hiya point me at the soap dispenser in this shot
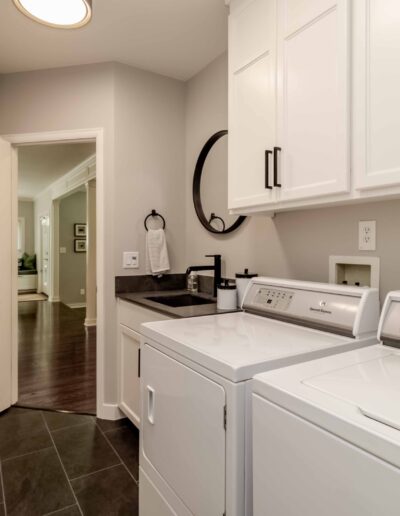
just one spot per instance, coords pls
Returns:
(242, 282)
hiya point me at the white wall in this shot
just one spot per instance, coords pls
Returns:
(293, 244)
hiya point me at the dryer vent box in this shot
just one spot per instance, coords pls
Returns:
(354, 270)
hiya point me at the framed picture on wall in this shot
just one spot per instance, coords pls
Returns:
(80, 246)
(80, 230)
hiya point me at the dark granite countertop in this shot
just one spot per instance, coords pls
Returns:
(139, 298)
(137, 289)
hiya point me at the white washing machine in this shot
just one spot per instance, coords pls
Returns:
(195, 446)
(326, 434)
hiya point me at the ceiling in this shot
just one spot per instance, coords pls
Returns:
(176, 38)
(41, 165)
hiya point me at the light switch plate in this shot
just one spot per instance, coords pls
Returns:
(367, 235)
(130, 260)
(63, 250)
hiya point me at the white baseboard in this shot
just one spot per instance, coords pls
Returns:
(109, 411)
(55, 299)
(90, 322)
(76, 305)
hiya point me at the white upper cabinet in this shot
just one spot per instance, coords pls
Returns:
(376, 94)
(288, 101)
(252, 102)
(313, 98)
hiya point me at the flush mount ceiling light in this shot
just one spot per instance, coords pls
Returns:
(62, 14)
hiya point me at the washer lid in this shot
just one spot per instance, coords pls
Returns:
(352, 395)
(373, 386)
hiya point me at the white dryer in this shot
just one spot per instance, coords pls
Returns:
(195, 446)
(326, 434)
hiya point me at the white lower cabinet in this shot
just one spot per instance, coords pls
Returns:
(129, 399)
(130, 317)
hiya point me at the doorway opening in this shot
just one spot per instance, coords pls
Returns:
(57, 308)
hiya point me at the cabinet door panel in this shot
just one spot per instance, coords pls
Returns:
(313, 102)
(129, 397)
(248, 31)
(252, 104)
(377, 93)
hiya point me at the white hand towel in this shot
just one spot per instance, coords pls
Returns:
(157, 261)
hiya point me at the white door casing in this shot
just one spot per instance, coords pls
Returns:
(313, 98)
(252, 102)
(6, 272)
(44, 260)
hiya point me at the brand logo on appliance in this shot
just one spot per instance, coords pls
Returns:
(321, 309)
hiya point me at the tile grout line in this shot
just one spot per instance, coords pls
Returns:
(28, 453)
(2, 488)
(54, 430)
(59, 510)
(97, 471)
(118, 455)
(62, 466)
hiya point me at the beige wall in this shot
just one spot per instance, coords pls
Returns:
(25, 210)
(293, 244)
(72, 264)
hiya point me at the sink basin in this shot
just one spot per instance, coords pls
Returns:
(178, 300)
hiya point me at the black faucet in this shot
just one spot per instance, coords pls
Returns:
(216, 268)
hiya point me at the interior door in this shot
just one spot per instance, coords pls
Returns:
(183, 434)
(252, 102)
(313, 106)
(6, 271)
(44, 253)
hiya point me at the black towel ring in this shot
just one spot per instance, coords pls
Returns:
(153, 214)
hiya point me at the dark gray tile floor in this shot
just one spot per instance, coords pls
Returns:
(67, 465)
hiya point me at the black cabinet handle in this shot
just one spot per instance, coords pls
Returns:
(267, 153)
(276, 150)
(139, 364)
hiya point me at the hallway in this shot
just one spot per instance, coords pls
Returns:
(57, 358)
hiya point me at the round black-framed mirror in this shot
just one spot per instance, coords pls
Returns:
(198, 171)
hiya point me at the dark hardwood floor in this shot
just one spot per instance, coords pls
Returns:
(57, 358)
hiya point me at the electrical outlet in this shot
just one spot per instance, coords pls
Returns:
(82, 291)
(63, 250)
(131, 260)
(367, 235)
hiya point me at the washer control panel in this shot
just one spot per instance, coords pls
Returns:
(274, 299)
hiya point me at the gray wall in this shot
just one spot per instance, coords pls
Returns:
(72, 265)
(143, 119)
(149, 160)
(25, 210)
(293, 244)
